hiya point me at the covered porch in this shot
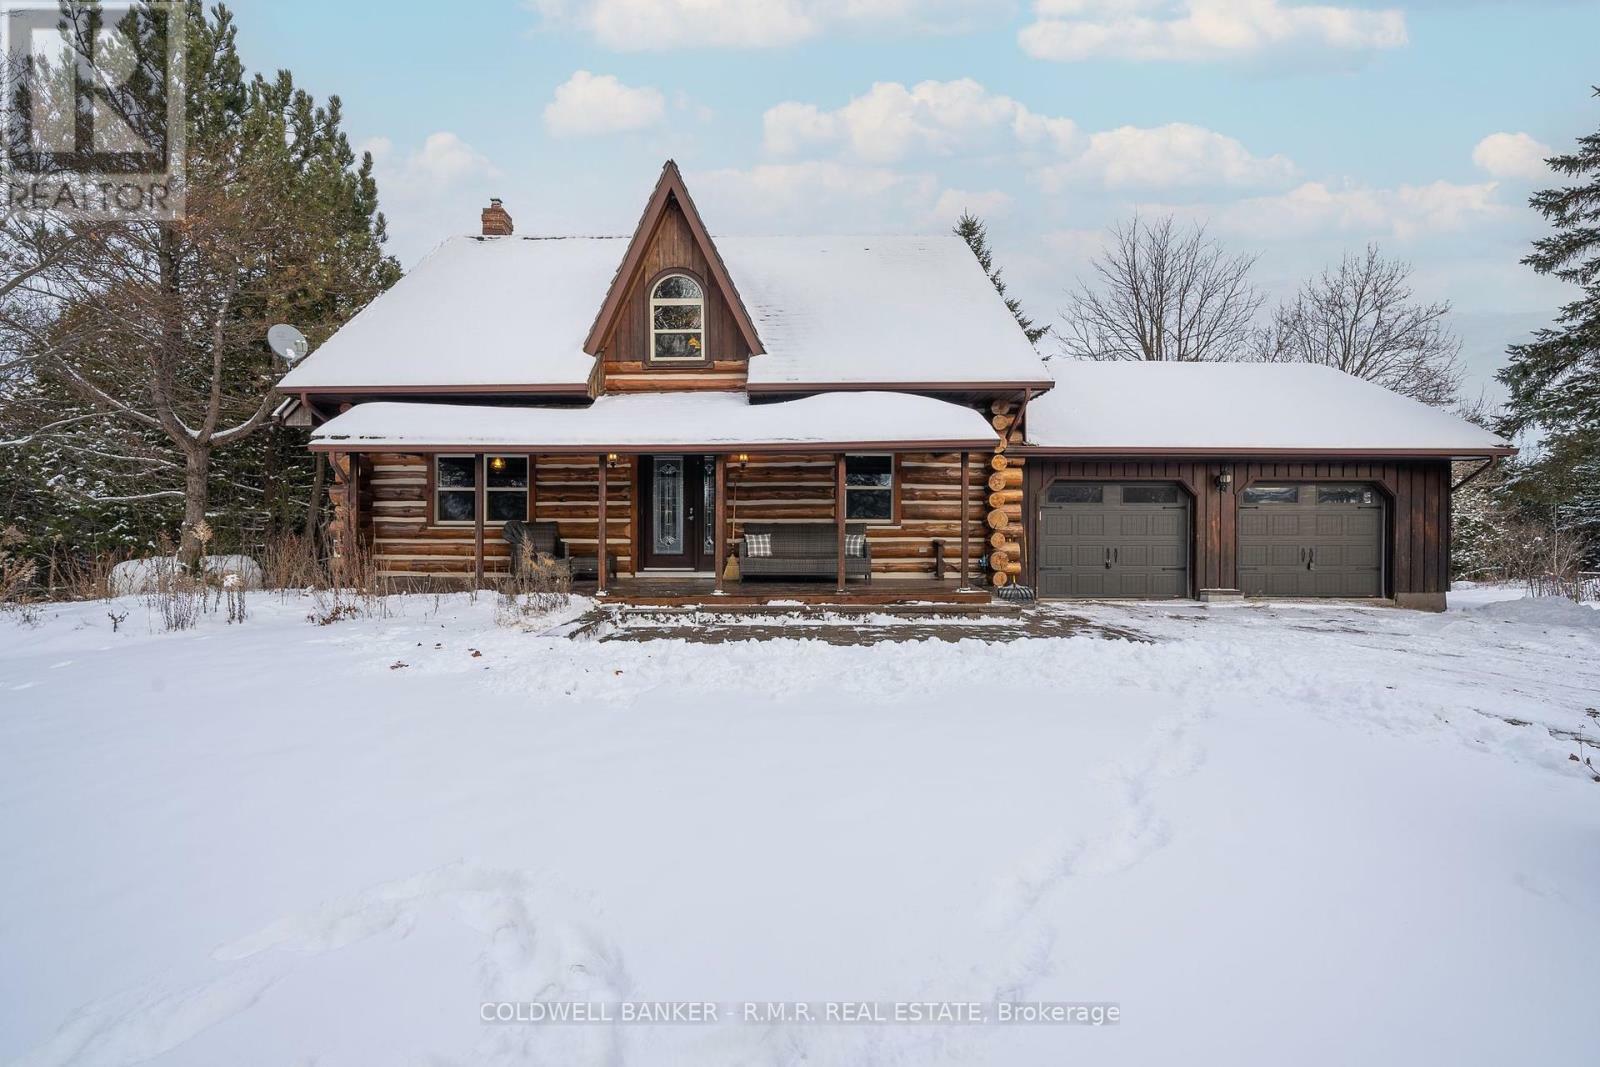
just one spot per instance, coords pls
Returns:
(877, 498)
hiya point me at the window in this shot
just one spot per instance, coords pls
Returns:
(506, 494)
(1075, 493)
(455, 489)
(1150, 494)
(869, 488)
(677, 319)
(1272, 494)
(1343, 494)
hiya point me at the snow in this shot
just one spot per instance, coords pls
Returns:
(876, 309)
(475, 312)
(671, 420)
(516, 311)
(1237, 407)
(1312, 835)
(135, 576)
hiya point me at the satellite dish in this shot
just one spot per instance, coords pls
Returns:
(288, 342)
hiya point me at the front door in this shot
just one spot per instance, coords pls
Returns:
(678, 500)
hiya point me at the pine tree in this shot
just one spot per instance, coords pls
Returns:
(1554, 380)
(148, 379)
(972, 230)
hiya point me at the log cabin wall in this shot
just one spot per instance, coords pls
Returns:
(564, 489)
(768, 488)
(800, 488)
(624, 367)
(1418, 493)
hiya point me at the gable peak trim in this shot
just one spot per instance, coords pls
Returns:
(670, 189)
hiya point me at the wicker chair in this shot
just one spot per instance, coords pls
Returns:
(803, 550)
(544, 538)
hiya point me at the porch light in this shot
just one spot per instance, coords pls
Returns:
(611, 459)
(1225, 479)
(743, 458)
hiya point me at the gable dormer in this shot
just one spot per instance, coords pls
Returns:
(672, 319)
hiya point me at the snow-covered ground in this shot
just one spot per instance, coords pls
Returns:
(1291, 834)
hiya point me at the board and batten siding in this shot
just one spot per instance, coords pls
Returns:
(624, 367)
(1418, 505)
(394, 516)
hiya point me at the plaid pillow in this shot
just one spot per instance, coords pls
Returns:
(758, 545)
(855, 545)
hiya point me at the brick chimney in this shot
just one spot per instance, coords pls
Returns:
(496, 220)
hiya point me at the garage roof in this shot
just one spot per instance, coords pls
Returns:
(1135, 408)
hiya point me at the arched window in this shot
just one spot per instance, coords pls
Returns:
(677, 319)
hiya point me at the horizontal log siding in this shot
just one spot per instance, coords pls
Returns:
(1418, 492)
(565, 490)
(622, 364)
(799, 488)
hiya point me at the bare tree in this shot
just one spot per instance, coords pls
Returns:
(1159, 292)
(1362, 319)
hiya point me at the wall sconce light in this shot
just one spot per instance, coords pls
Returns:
(743, 458)
(1225, 479)
(611, 459)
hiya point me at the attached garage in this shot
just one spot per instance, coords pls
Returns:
(1111, 539)
(1221, 480)
(1312, 540)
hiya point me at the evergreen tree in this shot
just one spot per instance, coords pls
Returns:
(972, 230)
(148, 379)
(1554, 380)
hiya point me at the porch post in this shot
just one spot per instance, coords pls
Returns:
(838, 511)
(600, 535)
(480, 498)
(720, 517)
(966, 507)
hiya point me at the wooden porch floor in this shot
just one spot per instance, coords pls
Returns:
(678, 592)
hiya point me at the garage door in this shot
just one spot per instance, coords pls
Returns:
(1114, 539)
(1311, 540)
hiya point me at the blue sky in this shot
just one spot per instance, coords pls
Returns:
(1296, 131)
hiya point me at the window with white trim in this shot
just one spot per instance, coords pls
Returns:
(455, 489)
(677, 320)
(869, 488)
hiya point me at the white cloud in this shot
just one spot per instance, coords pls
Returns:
(891, 122)
(952, 203)
(443, 161)
(1404, 212)
(1170, 156)
(657, 25)
(588, 105)
(1202, 29)
(1512, 155)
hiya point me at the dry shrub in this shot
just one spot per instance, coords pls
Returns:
(289, 562)
(539, 585)
(17, 575)
(357, 588)
(177, 598)
(89, 578)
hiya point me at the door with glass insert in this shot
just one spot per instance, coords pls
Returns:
(677, 501)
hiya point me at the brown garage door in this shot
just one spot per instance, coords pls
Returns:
(1311, 540)
(1114, 539)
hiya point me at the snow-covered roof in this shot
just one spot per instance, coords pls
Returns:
(661, 420)
(853, 310)
(1223, 408)
(474, 313)
(514, 312)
